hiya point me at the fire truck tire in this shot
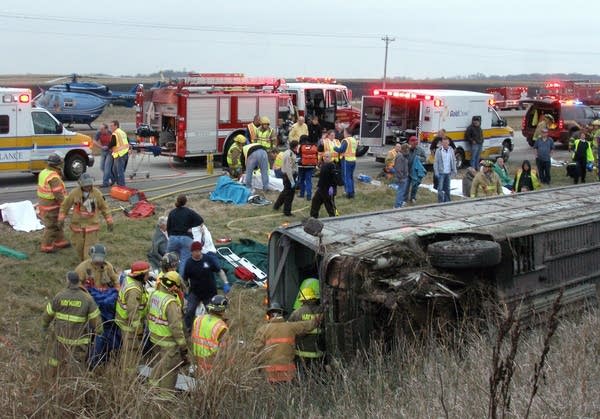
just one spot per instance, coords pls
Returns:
(463, 253)
(361, 150)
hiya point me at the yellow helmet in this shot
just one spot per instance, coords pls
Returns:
(265, 120)
(596, 122)
(308, 294)
(239, 139)
(171, 279)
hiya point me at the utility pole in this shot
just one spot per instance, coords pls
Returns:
(387, 40)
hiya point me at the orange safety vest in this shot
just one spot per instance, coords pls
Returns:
(45, 191)
(122, 146)
(350, 153)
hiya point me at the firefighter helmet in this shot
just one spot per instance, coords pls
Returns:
(55, 160)
(265, 120)
(85, 180)
(217, 304)
(307, 294)
(596, 122)
(98, 253)
(139, 268)
(239, 139)
(275, 308)
(169, 261)
(170, 280)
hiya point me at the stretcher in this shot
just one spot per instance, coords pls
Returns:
(235, 261)
(139, 157)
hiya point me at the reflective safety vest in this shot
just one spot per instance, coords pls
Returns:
(278, 160)
(158, 324)
(45, 191)
(252, 131)
(121, 314)
(72, 321)
(302, 351)
(534, 180)
(589, 154)
(390, 158)
(206, 331)
(234, 149)
(328, 147)
(122, 146)
(264, 138)
(350, 153)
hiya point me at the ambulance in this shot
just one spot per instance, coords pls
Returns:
(29, 134)
(391, 115)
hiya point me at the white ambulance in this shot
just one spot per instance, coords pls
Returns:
(29, 134)
(391, 115)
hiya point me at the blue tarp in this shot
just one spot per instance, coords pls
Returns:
(230, 191)
(110, 340)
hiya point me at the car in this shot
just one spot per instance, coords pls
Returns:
(569, 116)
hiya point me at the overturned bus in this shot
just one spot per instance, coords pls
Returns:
(387, 272)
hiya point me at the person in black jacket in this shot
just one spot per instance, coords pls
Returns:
(180, 222)
(314, 130)
(326, 185)
(474, 137)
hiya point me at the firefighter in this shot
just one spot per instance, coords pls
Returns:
(51, 192)
(165, 324)
(329, 145)
(546, 123)
(275, 342)
(252, 128)
(486, 182)
(87, 201)
(234, 156)
(347, 151)
(74, 313)
(256, 156)
(390, 158)
(96, 271)
(208, 332)
(131, 310)
(309, 348)
(265, 135)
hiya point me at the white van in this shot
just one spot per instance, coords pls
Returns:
(29, 134)
(395, 114)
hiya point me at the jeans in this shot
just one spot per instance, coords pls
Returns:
(181, 245)
(120, 163)
(348, 174)
(106, 165)
(305, 175)
(475, 155)
(190, 311)
(543, 168)
(443, 187)
(258, 159)
(411, 189)
(400, 192)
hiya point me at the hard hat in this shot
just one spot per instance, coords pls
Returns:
(275, 307)
(596, 122)
(239, 139)
(55, 160)
(169, 261)
(86, 180)
(487, 163)
(548, 116)
(265, 120)
(139, 268)
(171, 279)
(217, 304)
(98, 253)
(308, 294)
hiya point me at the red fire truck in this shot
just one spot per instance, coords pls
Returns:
(585, 91)
(508, 97)
(200, 114)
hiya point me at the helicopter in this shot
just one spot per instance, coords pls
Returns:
(77, 102)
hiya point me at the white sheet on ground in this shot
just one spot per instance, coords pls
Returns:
(21, 216)
(275, 184)
(455, 187)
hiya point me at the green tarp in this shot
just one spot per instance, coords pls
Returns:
(253, 251)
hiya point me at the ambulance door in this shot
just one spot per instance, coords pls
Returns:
(10, 155)
(201, 133)
(372, 121)
(330, 112)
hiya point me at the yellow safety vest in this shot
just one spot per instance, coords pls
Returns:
(121, 315)
(264, 138)
(158, 324)
(278, 160)
(230, 160)
(205, 335)
(328, 146)
(350, 153)
(44, 191)
(122, 146)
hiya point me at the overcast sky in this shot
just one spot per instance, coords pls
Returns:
(338, 38)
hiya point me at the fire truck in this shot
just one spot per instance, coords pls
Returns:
(200, 114)
(508, 97)
(585, 91)
(328, 100)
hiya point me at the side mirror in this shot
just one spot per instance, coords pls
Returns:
(501, 122)
(59, 128)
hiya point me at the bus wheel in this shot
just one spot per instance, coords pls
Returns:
(464, 252)
(460, 158)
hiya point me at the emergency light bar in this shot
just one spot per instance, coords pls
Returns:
(230, 80)
(408, 95)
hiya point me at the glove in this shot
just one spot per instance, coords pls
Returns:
(226, 287)
(110, 227)
(330, 191)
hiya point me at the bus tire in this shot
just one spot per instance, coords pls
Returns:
(463, 253)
